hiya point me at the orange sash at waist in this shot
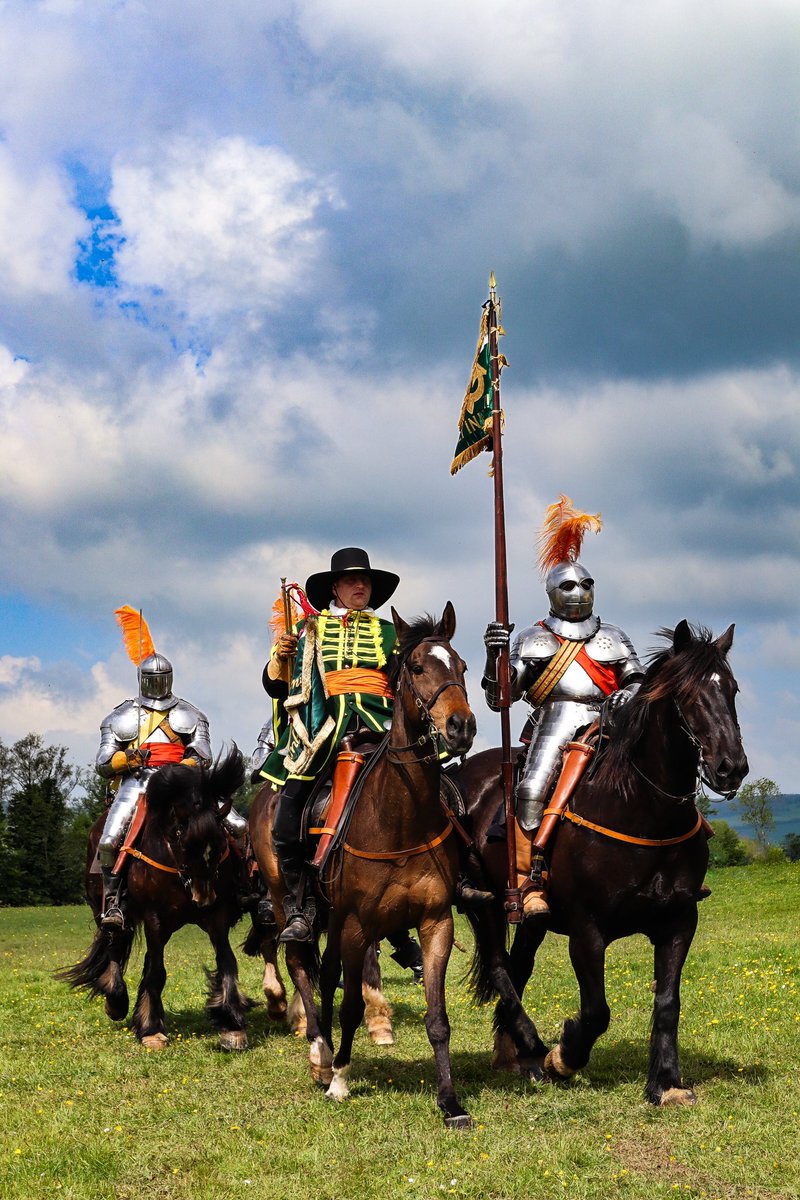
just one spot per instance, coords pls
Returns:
(358, 679)
(164, 752)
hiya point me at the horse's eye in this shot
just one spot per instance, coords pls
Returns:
(417, 668)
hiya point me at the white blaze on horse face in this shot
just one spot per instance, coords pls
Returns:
(717, 679)
(443, 655)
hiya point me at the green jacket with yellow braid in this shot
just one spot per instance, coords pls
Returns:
(339, 673)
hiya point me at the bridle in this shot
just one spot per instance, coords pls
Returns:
(431, 734)
(701, 779)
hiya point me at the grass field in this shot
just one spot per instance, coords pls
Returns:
(88, 1114)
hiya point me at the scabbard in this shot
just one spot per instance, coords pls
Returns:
(348, 764)
(576, 760)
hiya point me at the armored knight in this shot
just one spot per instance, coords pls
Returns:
(567, 667)
(135, 739)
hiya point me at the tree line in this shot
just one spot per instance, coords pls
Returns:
(48, 805)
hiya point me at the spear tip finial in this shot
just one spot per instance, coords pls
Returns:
(492, 281)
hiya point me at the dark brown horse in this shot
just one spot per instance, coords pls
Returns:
(630, 858)
(184, 872)
(399, 864)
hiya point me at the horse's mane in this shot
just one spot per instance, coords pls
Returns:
(669, 673)
(415, 632)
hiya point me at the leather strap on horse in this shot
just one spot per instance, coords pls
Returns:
(575, 761)
(394, 855)
(151, 862)
(635, 841)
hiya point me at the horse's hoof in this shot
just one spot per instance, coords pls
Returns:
(555, 1066)
(533, 1070)
(116, 1011)
(505, 1056)
(382, 1037)
(233, 1039)
(338, 1089)
(320, 1060)
(677, 1096)
(276, 1010)
(462, 1122)
(155, 1041)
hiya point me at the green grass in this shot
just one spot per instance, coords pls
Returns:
(88, 1114)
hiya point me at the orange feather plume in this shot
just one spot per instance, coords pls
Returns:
(277, 622)
(135, 633)
(563, 532)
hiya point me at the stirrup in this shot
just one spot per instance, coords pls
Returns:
(299, 927)
(469, 894)
(113, 917)
(534, 902)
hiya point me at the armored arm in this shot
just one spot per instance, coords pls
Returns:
(116, 755)
(526, 660)
(192, 726)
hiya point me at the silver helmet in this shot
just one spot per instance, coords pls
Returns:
(155, 677)
(570, 589)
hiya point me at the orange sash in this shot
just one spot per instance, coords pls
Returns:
(358, 679)
(164, 752)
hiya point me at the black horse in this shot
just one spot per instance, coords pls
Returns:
(182, 871)
(629, 857)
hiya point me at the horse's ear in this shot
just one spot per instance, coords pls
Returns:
(447, 626)
(725, 642)
(400, 625)
(682, 637)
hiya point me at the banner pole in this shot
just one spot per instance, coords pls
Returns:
(513, 901)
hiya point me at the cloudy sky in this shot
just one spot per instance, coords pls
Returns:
(244, 249)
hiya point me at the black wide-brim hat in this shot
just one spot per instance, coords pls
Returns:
(319, 587)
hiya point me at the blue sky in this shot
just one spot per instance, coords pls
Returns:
(245, 250)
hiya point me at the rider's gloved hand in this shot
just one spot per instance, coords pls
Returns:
(285, 646)
(496, 637)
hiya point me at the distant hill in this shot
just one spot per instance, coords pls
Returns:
(786, 811)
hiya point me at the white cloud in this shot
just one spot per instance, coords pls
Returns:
(218, 224)
(717, 188)
(39, 229)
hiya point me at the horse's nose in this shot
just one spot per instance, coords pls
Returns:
(732, 770)
(461, 730)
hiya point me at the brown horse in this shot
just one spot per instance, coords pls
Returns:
(399, 864)
(183, 872)
(398, 867)
(630, 857)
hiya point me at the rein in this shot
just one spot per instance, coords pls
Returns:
(568, 815)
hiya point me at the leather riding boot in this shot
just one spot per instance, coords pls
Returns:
(112, 916)
(529, 882)
(407, 953)
(299, 925)
(472, 888)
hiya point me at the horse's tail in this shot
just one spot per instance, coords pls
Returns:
(101, 971)
(489, 939)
